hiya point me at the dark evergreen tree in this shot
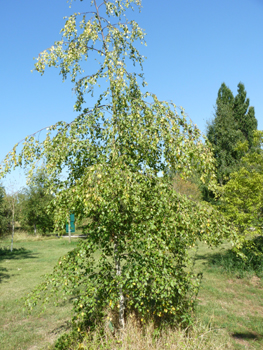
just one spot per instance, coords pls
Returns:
(225, 96)
(244, 115)
(234, 122)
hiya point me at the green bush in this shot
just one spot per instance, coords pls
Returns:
(67, 341)
(135, 257)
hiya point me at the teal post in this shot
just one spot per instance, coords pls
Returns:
(72, 224)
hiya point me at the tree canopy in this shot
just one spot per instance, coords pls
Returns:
(244, 114)
(242, 197)
(2, 210)
(34, 202)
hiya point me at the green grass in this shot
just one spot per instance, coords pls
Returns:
(251, 263)
(229, 303)
(232, 307)
(20, 271)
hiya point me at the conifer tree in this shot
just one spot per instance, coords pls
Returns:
(244, 115)
(234, 122)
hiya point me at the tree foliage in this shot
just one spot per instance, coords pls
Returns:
(36, 205)
(139, 232)
(244, 114)
(3, 219)
(242, 197)
(234, 122)
(242, 203)
(143, 230)
(11, 202)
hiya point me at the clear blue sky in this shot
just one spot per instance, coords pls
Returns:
(192, 47)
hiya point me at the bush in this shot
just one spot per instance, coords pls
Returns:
(135, 258)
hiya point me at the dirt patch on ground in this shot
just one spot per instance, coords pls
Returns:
(201, 301)
(243, 342)
(256, 281)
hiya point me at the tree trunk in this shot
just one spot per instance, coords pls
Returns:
(118, 273)
(13, 226)
(69, 231)
(35, 229)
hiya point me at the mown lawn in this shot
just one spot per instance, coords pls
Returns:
(20, 271)
(231, 304)
(233, 307)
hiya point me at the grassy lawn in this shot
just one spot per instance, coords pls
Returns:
(234, 307)
(230, 304)
(19, 273)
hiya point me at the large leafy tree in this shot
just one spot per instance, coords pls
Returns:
(234, 122)
(2, 210)
(11, 202)
(242, 196)
(6, 206)
(113, 155)
(35, 203)
(242, 203)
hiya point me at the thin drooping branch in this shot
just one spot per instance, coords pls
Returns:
(101, 30)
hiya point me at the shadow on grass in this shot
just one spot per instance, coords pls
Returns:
(62, 328)
(205, 257)
(3, 274)
(246, 336)
(249, 260)
(17, 253)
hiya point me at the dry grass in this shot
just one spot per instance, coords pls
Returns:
(136, 338)
(23, 236)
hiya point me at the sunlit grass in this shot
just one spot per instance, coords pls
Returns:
(20, 271)
(229, 303)
(229, 310)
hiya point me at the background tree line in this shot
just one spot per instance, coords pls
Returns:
(29, 209)
(237, 148)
